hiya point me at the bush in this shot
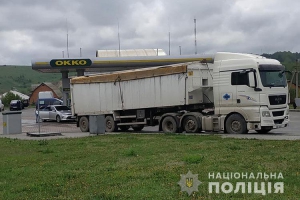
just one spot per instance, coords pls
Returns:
(8, 97)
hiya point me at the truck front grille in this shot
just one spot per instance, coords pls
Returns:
(277, 99)
(278, 121)
(278, 113)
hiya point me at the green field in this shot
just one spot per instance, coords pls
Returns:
(130, 166)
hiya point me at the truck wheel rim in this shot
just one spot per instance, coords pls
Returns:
(236, 126)
(108, 124)
(169, 126)
(83, 124)
(190, 125)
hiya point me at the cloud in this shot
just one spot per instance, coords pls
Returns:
(35, 29)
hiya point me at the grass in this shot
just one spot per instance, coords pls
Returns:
(130, 166)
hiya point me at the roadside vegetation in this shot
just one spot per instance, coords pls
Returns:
(8, 97)
(130, 166)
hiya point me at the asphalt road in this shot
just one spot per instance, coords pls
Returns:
(69, 129)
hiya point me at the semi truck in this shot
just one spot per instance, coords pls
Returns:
(227, 92)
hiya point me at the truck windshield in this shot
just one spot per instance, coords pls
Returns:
(272, 75)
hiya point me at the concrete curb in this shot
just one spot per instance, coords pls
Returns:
(294, 110)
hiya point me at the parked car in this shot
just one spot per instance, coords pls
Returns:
(16, 105)
(55, 113)
(43, 102)
(25, 102)
(1, 106)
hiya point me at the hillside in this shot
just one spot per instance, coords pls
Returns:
(287, 58)
(21, 78)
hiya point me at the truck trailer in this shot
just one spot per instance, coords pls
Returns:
(229, 92)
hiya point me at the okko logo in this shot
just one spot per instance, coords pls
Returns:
(257, 183)
(252, 183)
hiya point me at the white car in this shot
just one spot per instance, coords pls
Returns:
(55, 113)
(1, 106)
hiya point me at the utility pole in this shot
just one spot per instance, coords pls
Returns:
(295, 75)
(63, 54)
(67, 38)
(179, 50)
(80, 54)
(195, 23)
(119, 39)
(169, 43)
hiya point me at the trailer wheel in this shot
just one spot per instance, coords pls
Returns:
(169, 125)
(236, 124)
(124, 128)
(110, 124)
(191, 124)
(137, 127)
(84, 124)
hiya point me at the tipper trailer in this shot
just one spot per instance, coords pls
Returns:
(229, 92)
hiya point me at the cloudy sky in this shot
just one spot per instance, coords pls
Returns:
(35, 29)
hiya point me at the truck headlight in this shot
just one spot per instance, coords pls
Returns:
(266, 114)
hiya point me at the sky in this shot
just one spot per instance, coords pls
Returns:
(38, 29)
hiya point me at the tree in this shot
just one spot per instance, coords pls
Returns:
(10, 96)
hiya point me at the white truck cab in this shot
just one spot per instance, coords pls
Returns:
(253, 87)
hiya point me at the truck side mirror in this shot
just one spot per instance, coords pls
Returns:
(252, 79)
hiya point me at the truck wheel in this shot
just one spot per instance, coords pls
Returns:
(190, 124)
(124, 128)
(236, 124)
(137, 127)
(58, 120)
(110, 124)
(169, 125)
(84, 124)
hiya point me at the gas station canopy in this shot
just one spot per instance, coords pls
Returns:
(108, 64)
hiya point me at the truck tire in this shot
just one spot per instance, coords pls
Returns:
(124, 128)
(110, 124)
(191, 125)
(84, 124)
(169, 125)
(236, 124)
(137, 127)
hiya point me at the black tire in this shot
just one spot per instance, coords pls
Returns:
(58, 119)
(169, 125)
(124, 128)
(264, 130)
(236, 124)
(137, 127)
(191, 124)
(110, 124)
(84, 124)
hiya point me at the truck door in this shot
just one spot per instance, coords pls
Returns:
(245, 95)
